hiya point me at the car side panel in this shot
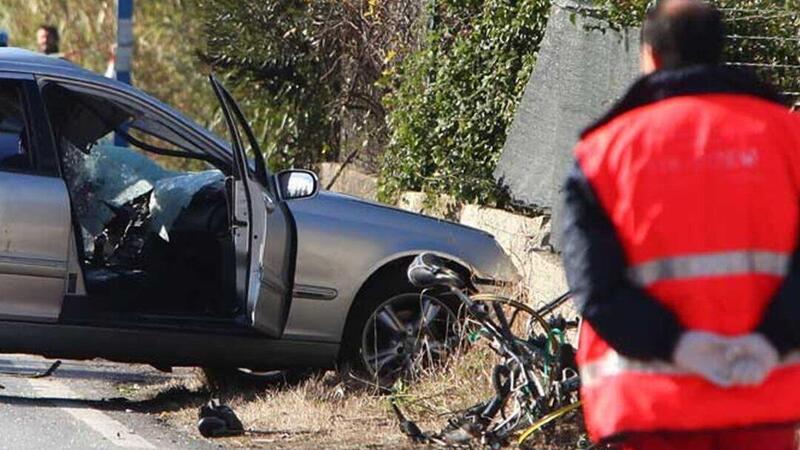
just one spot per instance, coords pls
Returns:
(342, 241)
(34, 239)
(148, 346)
(277, 269)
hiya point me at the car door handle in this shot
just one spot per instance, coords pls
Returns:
(269, 202)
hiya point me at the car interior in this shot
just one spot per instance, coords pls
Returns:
(151, 210)
(14, 154)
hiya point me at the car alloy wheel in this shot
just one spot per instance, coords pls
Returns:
(406, 334)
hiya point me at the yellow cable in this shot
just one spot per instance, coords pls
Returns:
(545, 420)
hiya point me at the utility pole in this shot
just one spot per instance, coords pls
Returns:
(124, 54)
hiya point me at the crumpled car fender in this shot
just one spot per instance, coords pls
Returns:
(342, 241)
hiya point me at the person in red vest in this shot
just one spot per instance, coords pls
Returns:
(680, 242)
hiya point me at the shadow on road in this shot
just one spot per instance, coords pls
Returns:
(171, 399)
(168, 398)
(81, 374)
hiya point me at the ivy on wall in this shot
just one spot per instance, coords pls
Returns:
(455, 98)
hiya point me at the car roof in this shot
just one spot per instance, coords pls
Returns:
(20, 60)
(25, 61)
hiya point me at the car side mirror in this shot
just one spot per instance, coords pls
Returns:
(296, 184)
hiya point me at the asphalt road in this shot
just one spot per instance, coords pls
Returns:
(79, 407)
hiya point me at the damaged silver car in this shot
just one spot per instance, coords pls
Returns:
(133, 234)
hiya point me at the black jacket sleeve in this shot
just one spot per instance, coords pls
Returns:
(781, 322)
(623, 314)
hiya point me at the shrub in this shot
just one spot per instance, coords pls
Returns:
(166, 34)
(301, 65)
(456, 97)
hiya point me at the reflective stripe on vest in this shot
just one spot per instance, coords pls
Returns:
(613, 364)
(711, 265)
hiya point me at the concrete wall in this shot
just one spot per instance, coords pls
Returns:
(526, 240)
(350, 181)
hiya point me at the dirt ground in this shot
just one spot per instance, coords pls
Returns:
(327, 412)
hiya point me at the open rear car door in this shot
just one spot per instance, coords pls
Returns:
(267, 307)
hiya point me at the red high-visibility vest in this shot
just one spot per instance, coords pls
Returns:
(703, 192)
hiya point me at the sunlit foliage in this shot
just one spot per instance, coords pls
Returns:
(165, 64)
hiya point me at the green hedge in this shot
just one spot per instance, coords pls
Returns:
(455, 98)
(268, 54)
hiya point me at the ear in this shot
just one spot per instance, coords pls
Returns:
(650, 60)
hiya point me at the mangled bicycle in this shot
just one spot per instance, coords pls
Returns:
(534, 380)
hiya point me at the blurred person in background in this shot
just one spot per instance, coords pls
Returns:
(111, 62)
(48, 40)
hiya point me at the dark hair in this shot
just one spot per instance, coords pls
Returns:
(52, 38)
(685, 32)
(52, 31)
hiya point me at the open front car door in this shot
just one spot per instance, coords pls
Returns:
(253, 204)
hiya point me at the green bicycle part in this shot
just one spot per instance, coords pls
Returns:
(474, 337)
(562, 339)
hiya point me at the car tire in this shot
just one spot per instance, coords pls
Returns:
(352, 361)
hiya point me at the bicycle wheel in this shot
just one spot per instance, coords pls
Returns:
(526, 353)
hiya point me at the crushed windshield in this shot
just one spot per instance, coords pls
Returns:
(116, 175)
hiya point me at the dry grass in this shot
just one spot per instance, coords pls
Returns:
(321, 412)
(328, 411)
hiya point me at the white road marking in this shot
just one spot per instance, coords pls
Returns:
(115, 432)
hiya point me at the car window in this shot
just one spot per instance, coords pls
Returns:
(85, 118)
(15, 143)
(249, 150)
(242, 133)
(115, 155)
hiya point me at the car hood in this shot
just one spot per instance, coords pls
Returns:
(397, 213)
(403, 233)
